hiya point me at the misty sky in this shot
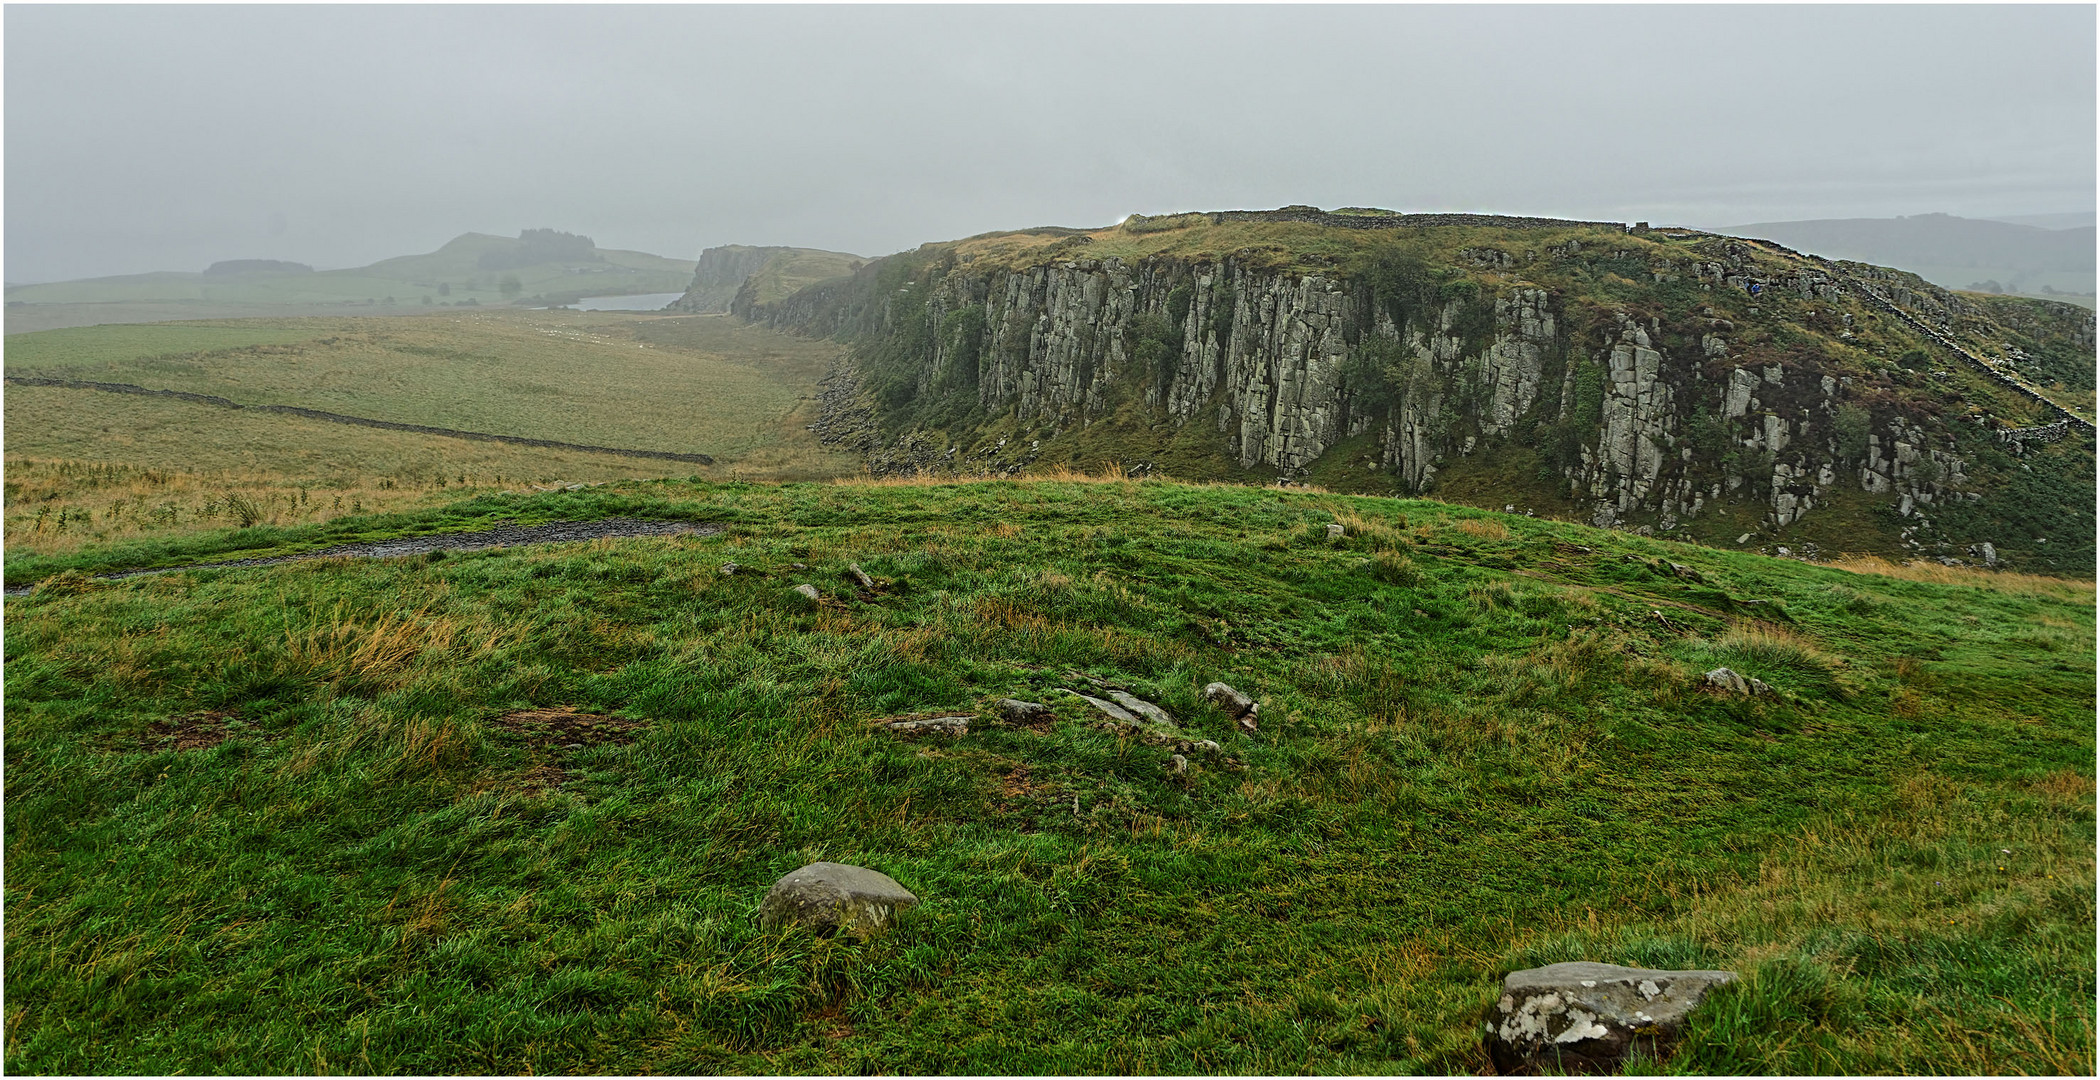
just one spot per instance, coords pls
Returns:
(161, 137)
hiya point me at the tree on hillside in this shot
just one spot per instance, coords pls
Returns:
(511, 286)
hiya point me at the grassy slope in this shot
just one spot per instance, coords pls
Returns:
(1480, 749)
(791, 271)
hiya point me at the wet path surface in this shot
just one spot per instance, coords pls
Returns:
(560, 532)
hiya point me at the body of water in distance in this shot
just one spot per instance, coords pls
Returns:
(641, 302)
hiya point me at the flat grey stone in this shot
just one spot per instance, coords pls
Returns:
(833, 896)
(1141, 707)
(1016, 711)
(1584, 1017)
(942, 725)
(808, 590)
(1108, 708)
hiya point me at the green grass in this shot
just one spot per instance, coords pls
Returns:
(576, 377)
(1480, 749)
(88, 468)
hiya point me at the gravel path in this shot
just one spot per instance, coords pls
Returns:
(560, 532)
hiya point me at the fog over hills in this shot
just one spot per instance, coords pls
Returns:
(336, 136)
(1954, 252)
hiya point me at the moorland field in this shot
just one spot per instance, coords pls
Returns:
(90, 467)
(310, 817)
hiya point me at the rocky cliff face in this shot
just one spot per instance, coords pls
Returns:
(1652, 409)
(718, 275)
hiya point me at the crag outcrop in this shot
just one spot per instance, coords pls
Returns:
(1651, 379)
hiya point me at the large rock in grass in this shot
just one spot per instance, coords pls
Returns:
(832, 897)
(1725, 681)
(1583, 1017)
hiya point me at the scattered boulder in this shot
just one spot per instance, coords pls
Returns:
(809, 591)
(729, 568)
(1336, 532)
(833, 896)
(1727, 681)
(1178, 765)
(1585, 1017)
(1239, 706)
(931, 725)
(1025, 713)
(860, 575)
(1686, 572)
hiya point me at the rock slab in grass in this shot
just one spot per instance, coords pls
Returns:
(1236, 705)
(1140, 707)
(1016, 711)
(1584, 1017)
(934, 725)
(833, 896)
(1726, 680)
(1108, 708)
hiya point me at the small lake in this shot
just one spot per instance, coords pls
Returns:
(655, 301)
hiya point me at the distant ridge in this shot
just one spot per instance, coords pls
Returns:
(1952, 252)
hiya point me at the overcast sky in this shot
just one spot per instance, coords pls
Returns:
(161, 137)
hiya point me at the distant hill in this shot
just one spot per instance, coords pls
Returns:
(255, 266)
(772, 273)
(1952, 252)
(2051, 221)
(539, 266)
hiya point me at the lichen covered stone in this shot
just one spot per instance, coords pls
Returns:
(1583, 1017)
(831, 897)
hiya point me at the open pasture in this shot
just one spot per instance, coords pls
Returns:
(581, 377)
(87, 467)
(289, 819)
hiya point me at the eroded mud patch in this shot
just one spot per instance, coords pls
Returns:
(559, 532)
(193, 731)
(552, 737)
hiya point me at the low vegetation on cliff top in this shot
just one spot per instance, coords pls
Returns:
(317, 816)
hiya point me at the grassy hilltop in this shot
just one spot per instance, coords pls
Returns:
(298, 819)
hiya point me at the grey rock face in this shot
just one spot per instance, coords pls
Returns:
(809, 591)
(1267, 359)
(1584, 1017)
(834, 896)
